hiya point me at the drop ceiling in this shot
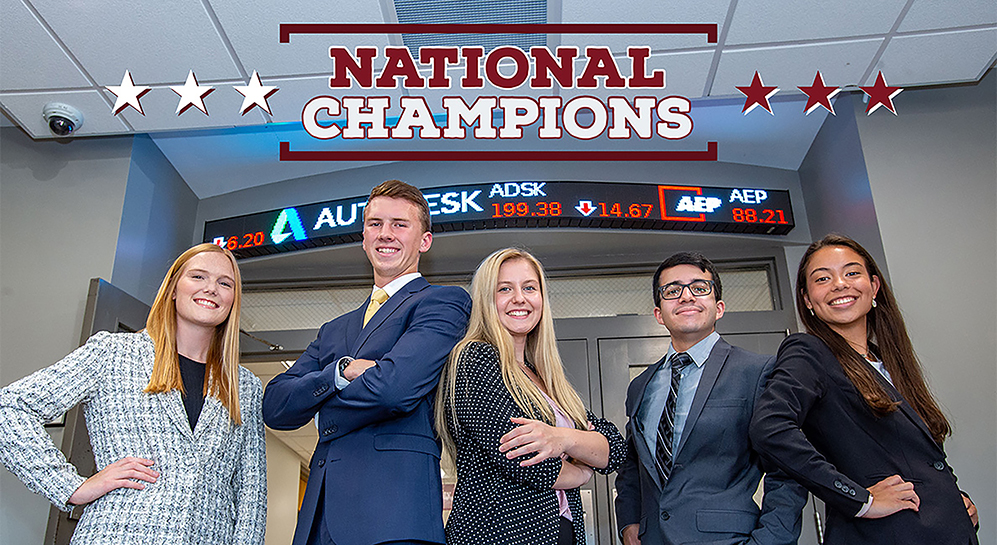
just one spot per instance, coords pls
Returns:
(54, 50)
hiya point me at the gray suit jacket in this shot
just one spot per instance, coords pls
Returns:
(212, 484)
(708, 498)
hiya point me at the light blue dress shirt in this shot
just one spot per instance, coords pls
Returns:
(656, 392)
(879, 366)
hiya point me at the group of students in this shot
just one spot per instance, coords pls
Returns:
(177, 430)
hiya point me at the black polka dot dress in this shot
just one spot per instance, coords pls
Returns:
(496, 501)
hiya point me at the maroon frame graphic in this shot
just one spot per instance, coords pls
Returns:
(289, 29)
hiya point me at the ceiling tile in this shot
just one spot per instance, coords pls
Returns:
(685, 75)
(931, 58)
(288, 103)
(682, 11)
(933, 14)
(146, 38)
(24, 41)
(26, 109)
(618, 43)
(767, 21)
(788, 67)
(160, 106)
(675, 11)
(253, 27)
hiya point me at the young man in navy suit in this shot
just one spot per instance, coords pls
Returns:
(690, 472)
(370, 378)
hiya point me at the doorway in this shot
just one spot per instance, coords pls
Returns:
(108, 309)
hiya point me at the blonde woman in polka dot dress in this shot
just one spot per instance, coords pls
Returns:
(516, 430)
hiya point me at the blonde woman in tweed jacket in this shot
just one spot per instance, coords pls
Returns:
(169, 474)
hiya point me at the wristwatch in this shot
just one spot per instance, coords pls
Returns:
(343, 363)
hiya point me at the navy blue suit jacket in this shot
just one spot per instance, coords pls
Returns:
(377, 460)
(715, 472)
(812, 422)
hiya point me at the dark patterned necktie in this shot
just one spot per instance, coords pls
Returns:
(663, 450)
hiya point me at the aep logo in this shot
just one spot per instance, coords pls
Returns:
(698, 204)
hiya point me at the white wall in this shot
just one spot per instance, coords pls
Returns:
(835, 184)
(283, 476)
(933, 173)
(112, 208)
(157, 222)
(60, 209)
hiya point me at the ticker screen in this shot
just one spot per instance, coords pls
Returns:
(520, 205)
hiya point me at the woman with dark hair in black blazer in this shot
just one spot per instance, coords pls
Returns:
(847, 412)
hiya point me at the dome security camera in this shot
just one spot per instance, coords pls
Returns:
(62, 119)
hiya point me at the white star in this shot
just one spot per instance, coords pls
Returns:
(127, 94)
(192, 94)
(256, 94)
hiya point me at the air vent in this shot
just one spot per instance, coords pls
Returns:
(461, 11)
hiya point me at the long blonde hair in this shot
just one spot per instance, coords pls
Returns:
(541, 351)
(222, 367)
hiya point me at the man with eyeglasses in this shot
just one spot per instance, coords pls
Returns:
(690, 472)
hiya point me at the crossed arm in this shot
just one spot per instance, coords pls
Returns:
(400, 378)
(521, 447)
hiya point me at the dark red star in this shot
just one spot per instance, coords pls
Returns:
(880, 94)
(819, 94)
(758, 95)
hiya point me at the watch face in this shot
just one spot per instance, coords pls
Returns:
(344, 362)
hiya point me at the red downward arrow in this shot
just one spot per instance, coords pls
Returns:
(585, 207)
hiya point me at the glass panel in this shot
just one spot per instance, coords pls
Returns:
(744, 290)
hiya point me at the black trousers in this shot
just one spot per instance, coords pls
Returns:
(565, 532)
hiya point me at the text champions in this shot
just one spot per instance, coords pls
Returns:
(620, 117)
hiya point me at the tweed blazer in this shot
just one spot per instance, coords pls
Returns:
(497, 501)
(212, 483)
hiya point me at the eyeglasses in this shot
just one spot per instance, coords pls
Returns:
(699, 288)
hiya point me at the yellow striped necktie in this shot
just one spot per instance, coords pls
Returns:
(376, 300)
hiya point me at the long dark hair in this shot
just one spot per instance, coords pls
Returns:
(887, 337)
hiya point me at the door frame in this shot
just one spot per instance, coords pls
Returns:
(108, 309)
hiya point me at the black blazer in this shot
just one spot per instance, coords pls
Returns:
(497, 502)
(812, 422)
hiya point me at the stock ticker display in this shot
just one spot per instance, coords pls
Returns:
(520, 205)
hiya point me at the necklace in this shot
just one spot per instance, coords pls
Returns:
(862, 350)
